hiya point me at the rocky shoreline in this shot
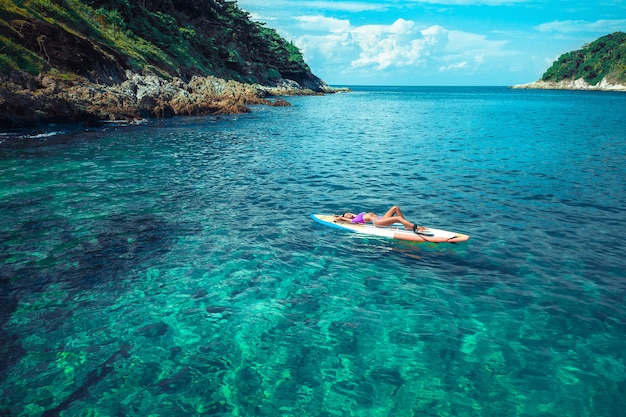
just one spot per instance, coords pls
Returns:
(579, 84)
(27, 100)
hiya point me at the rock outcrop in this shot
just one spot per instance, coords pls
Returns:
(579, 84)
(27, 100)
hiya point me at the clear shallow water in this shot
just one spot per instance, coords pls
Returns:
(173, 269)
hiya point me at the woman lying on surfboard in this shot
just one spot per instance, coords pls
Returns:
(393, 215)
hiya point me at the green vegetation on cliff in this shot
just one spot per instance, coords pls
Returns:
(100, 39)
(603, 58)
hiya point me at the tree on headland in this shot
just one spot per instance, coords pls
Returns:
(164, 37)
(603, 58)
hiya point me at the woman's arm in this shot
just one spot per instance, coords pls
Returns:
(343, 219)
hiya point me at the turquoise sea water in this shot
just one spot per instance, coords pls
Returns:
(172, 268)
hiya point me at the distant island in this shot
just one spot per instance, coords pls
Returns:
(92, 60)
(600, 65)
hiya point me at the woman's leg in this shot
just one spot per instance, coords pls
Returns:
(388, 221)
(394, 211)
(394, 215)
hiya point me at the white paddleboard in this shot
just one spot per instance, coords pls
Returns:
(396, 231)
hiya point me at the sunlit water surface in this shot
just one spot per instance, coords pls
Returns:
(173, 269)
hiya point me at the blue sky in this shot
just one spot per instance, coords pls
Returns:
(436, 42)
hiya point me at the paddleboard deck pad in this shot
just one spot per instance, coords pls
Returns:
(396, 231)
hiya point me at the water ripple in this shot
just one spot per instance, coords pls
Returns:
(172, 268)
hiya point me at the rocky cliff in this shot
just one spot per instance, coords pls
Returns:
(71, 61)
(27, 100)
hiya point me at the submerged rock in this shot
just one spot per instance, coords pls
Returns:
(153, 330)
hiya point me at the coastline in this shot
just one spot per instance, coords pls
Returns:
(29, 101)
(579, 84)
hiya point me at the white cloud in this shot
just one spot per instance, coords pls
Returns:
(450, 67)
(333, 48)
(385, 45)
(298, 6)
(474, 45)
(400, 44)
(473, 2)
(323, 24)
(365, 5)
(347, 6)
(337, 46)
(577, 26)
